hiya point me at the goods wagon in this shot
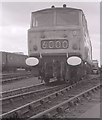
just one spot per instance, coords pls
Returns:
(0, 62)
(12, 61)
(59, 44)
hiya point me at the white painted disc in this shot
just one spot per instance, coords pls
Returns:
(74, 60)
(32, 61)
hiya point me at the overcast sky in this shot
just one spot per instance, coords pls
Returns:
(16, 22)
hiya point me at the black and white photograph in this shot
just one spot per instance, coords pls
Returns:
(50, 60)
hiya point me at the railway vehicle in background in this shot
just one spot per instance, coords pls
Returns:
(95, 67)
(0, 62)
(59, 44)
(12, 62)
(101, 73)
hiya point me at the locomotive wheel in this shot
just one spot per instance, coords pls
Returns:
(46, 80)
(67, 76)
(67, 81)
(59, 78)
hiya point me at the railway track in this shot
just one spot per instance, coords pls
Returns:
(21, 90)
(18, 100)
(60, 108)
(44, 105)
(25, 89)
(14, 78)
(10, 75)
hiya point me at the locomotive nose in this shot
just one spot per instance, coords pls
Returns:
(74, 60)
(32, 61)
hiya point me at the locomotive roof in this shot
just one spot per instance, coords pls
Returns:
(57, 8)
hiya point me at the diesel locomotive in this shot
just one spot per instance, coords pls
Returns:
(59, 44)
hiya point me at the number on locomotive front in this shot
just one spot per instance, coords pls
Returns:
(54, 44)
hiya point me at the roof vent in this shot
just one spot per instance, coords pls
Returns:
(52, 6)
(64, 5)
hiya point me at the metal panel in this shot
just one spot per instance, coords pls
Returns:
(15, 60)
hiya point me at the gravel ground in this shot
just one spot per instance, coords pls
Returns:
(92, 113)
(82, 108)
